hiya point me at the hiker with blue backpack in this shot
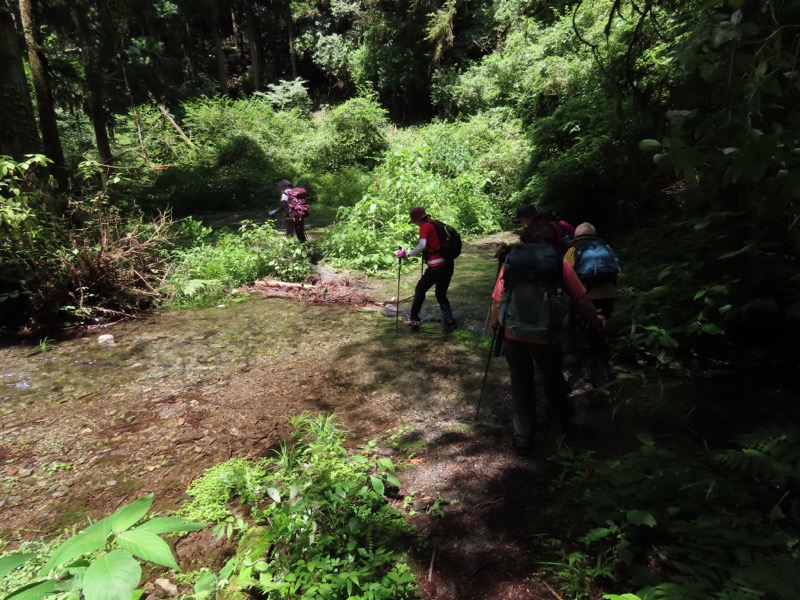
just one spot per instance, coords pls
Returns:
(597, 266)
(295, 204)
(529, 303)
(439, 245)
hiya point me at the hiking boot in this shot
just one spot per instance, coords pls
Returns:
(450, 324)
(409, 321)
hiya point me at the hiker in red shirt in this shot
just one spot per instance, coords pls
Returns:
(439, 271)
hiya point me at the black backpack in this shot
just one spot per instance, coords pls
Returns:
(534, 304)
(449, 240)
(595, 263)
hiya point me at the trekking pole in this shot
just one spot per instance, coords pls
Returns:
(397, 298)
(489, 312)
(486, 372)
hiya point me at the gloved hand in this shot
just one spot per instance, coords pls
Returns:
(401, 253)
(272, 213)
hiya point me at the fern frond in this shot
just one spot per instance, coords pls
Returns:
(779, 576)
(193, 287)
(755, 463)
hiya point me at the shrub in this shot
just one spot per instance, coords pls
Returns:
(204, 274)
(83, 260)
(463, 173)
(688, 522)
(286, 95)
(354, 133)
(330, 532)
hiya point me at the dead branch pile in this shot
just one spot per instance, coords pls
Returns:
(343, 290)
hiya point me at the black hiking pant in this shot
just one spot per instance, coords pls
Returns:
(592, 345)
(439, 277)
(521, 358)
(296, 226)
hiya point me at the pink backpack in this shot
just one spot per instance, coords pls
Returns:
(298, 205)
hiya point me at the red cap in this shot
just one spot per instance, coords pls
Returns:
(417, 213)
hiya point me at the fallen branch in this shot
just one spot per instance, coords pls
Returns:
(490, 502)
(552, 591)
(430, 567)
(169, 118)
(280, 284)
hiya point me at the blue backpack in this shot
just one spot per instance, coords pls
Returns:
(595, 263)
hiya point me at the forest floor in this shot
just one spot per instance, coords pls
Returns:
(478, 504)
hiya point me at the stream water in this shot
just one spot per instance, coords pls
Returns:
(148, 404)
(166, 353)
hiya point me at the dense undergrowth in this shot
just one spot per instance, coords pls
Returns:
(310, 522)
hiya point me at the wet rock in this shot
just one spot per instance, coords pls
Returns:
(106, 339)
(165, 585)
(190, 436)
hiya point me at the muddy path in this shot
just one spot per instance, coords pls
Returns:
(88, 426)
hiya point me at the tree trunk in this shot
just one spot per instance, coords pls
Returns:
(256, 50)
(44, 97)
(292, 57)
(222, 72)
(18, 134)
(94, 84)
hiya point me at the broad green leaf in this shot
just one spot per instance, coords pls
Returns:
(598, 533)
(9, 563)
(137, 594)
(645, 438)
(148, 546)
(169, 525)
(112, 577)
(377, 484)
(622, 597)
(650, 145)
(91, 539)
(34, 591)
(641, 517)
(206, 583)
(225, 572)
(129, 514)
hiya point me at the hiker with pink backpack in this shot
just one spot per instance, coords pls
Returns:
(295, 204)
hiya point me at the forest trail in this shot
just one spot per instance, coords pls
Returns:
(85, 427)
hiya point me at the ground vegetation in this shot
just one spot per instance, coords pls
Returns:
(673, 126)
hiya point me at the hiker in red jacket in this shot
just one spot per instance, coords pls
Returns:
(439, 271)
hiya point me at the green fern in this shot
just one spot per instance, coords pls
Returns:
(778, 576)
(772, 455)
(192, 287)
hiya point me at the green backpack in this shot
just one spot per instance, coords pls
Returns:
(534, 304)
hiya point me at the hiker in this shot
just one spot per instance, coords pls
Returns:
(439, 271)
(528, 303)
(527, 214)
(295, 205)
(598, 267)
